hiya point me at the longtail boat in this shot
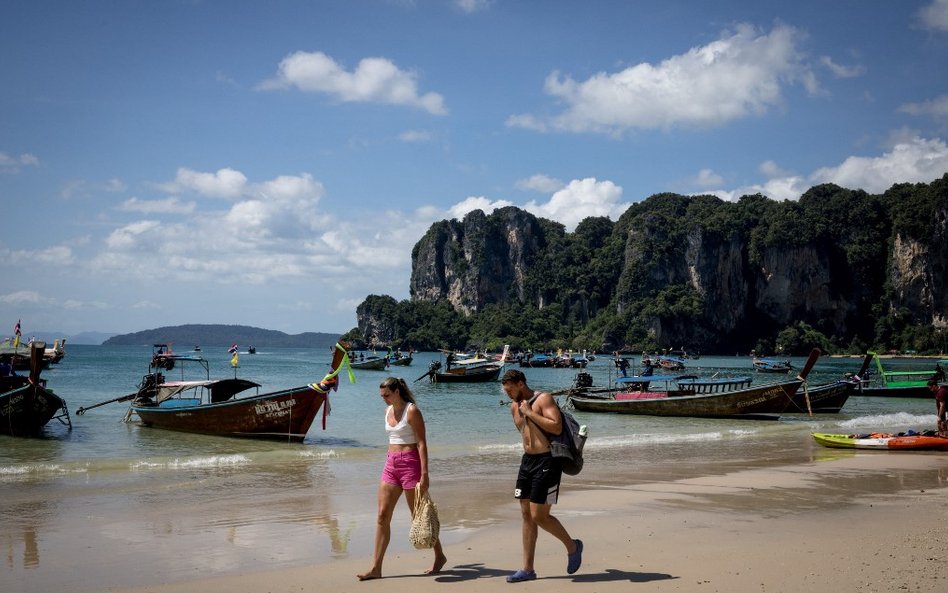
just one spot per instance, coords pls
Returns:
(770, 365)
(900, 383)
(370, 363)
(764, 402)
(828, 398)
(469, 370)
(218, 406)
(26, 405)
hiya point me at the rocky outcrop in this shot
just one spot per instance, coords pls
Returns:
(477, 261)
(704, 272)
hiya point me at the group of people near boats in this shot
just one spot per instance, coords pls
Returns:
(535, 415)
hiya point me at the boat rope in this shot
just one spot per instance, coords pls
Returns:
(806, 396)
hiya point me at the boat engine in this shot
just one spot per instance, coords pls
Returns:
(582, 380)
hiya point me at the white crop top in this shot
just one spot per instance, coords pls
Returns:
(402, 433)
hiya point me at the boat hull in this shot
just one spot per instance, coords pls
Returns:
(375, 364)
(765, 402)
(25, 410)
(476, 375)
(824, 399)
(401, 362)
(282, 415)
(883, 442)
(914, 391)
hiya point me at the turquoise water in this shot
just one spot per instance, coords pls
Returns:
(129, 490)
(462, 419)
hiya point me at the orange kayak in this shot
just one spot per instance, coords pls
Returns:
(880, 440)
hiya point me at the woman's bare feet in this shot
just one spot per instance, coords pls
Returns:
(439, 563)
(368, 576)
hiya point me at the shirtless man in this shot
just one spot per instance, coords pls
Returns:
(941, 406)
(538, 482)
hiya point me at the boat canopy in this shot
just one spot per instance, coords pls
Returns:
(220, 389)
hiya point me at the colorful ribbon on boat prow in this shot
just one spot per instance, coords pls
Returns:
(330, 381)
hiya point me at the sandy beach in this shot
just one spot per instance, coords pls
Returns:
(845, 521)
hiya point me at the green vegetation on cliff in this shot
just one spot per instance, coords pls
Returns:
(839, 268)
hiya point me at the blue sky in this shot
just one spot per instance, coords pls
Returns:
(273, 163)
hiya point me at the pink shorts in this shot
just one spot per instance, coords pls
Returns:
(402, 468)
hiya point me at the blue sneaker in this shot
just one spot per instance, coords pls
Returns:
(521, 576)
(575, 560)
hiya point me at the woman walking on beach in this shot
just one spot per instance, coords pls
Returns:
(406, 465)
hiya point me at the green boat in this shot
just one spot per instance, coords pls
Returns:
(901, 383)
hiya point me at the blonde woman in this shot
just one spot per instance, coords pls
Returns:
(406, 464)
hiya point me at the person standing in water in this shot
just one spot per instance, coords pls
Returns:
(406, 465)
(537, 416)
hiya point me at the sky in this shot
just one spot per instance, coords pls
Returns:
(165, 162)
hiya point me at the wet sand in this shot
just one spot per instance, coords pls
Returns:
(846, 521)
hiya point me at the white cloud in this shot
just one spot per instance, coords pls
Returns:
(580, 199)
(910, 160)
(935, 15)
(84, 188)
(225, 183)
(937, 108)
(472, 203)
(541, 183)
(568, 205)
(771, 169)
(375, 80)
(707, 178)
(115, 186)
(415, 136)
(77, 305)
(170, 205)
(50, 257)
(916, 161)
(146, 305)
(291, 188)
(126, 236)
(273, 230)
(840, 71)
(739, 75)
(24, 297)
(13, 164)
(471, 6)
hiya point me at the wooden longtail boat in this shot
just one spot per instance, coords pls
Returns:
(828, 398)
(26, 405)
(477, 369)
(769, 365)
(400, 361)
(474, 371)
(900, 383)
(764, 402)
(370, 363)
(884, 441)
(214, 406)
(823, 399)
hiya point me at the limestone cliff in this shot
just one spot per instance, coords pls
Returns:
(700, 271)
(477, 261)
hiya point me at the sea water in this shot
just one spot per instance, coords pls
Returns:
(108, 493)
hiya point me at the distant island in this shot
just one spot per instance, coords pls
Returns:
(186, 337)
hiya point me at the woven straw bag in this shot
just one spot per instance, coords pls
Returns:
(424, 524)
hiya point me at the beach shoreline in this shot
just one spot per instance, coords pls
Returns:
(849, 521)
